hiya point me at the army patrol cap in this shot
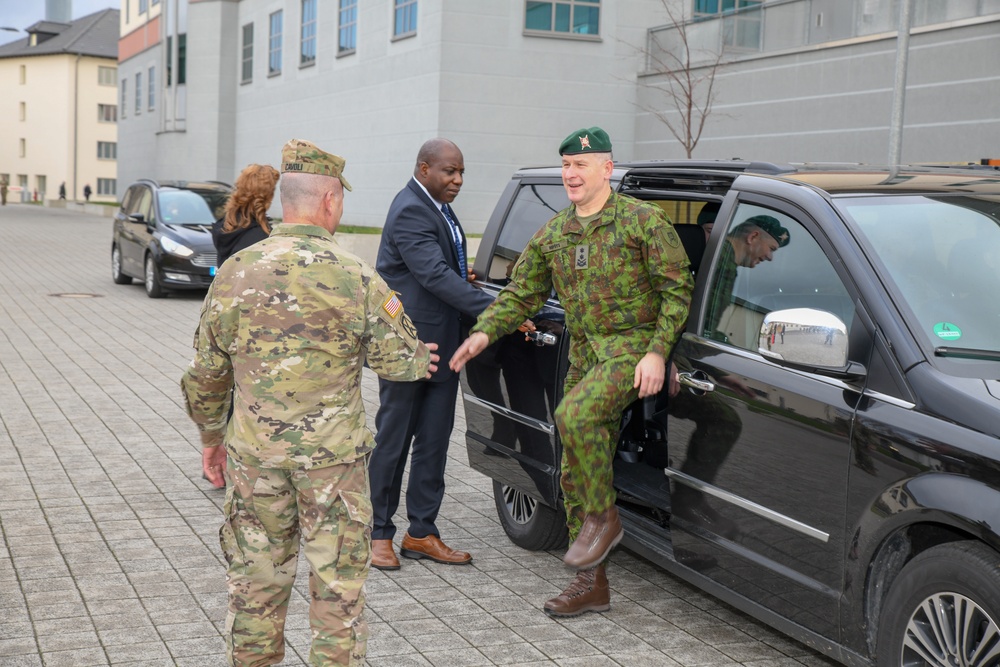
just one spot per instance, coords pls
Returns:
(303, 157)
(587, 140)
(772, 227)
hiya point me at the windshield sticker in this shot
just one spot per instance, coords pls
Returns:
(947, 331)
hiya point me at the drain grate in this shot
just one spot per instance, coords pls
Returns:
(76, 295)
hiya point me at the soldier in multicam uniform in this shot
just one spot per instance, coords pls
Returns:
(620, 272)
(290, 322)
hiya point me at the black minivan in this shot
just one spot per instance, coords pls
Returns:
(829, 461)
(163, 234)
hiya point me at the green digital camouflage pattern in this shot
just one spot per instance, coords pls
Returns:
(588, 418)
(290, 322)
(267, 510)
(624, 283)
(622, 280)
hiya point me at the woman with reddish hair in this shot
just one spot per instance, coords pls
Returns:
(245, 221)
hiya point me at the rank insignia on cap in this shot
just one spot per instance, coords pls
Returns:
(392, 305)
(584, 142)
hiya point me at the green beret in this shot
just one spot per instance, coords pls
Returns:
(303, 157)
(708, 212)
(587, 140)
(772, 227)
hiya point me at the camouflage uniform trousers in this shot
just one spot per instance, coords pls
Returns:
(588, 419)
(267, 509)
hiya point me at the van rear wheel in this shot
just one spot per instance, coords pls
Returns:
(529, 523)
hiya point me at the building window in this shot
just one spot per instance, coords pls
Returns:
(138, 93)
(274, 45)
(247, 74)
(170, 61)
(405, 23)
(568, 17)
(23, 110)
(107, 150)
(182, 41)
(143, 6)
(24, 74)
(152, 88)
(107, 113)
(308, 55)
(106, 76)
(107, 186)
(347, 40)
(741, 21)
(24, 147)
(124, 101)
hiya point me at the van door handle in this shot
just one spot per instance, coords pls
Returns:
(689, 380)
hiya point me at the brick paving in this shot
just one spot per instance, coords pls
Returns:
(108, 535)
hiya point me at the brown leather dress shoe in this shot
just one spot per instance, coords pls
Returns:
(432, 547)
(599, 534)
(383, 555)
(587, 592)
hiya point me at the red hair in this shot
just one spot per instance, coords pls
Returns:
(251, 198)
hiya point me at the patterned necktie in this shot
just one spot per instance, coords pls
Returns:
(456, 238)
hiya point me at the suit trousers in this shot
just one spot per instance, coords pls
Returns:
(415, 419)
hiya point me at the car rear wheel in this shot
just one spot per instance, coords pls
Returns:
(154, 290)
(528, 523)
(943, 609)
(116, 267)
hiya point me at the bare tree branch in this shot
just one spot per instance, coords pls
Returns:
(689, 86)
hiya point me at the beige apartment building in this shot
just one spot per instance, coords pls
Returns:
(59, 110)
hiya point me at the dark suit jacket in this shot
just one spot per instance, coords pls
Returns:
(417, 258)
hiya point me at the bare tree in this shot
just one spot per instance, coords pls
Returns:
(689, 78)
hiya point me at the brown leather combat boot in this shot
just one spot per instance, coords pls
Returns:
(599, 534)
(587, 592)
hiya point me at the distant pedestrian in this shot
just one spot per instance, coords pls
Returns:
(62, 190)
(293, 320)
(245, 221)
(86, 192)
(3, 192)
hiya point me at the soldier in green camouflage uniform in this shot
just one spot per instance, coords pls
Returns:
(621, 274)
(289, 323)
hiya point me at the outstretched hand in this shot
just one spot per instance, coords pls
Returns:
(473, 345)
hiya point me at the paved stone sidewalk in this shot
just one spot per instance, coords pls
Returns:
(108, 535)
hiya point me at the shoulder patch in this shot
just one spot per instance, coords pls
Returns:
(392, 305)
(670, 236)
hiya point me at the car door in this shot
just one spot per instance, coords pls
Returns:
(760, 452)
(135, 233)
(512, 388)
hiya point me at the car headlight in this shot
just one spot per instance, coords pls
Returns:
(174, 248)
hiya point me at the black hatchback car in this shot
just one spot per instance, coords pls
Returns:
(163, 234)
(830, 462)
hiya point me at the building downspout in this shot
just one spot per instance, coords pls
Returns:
(76, 115)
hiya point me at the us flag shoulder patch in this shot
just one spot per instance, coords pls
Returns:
(392, 305)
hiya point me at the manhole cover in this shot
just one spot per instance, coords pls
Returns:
(76, 295)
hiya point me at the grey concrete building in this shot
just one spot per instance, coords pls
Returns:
(229, 81)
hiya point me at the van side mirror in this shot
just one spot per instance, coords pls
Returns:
(808, 339)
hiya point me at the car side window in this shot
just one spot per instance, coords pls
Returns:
(144, 204)
(534, 205)
(769, 261)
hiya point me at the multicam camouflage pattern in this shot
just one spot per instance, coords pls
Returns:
(622, 279)
(290, 321)
(266, 512)
(303, 157)
(626, 289)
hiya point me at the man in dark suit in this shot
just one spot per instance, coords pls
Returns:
(422, 257)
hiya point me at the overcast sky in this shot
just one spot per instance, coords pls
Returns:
(22, 13)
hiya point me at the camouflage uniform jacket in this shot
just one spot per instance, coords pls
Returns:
(622, 280)
(291, 321)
